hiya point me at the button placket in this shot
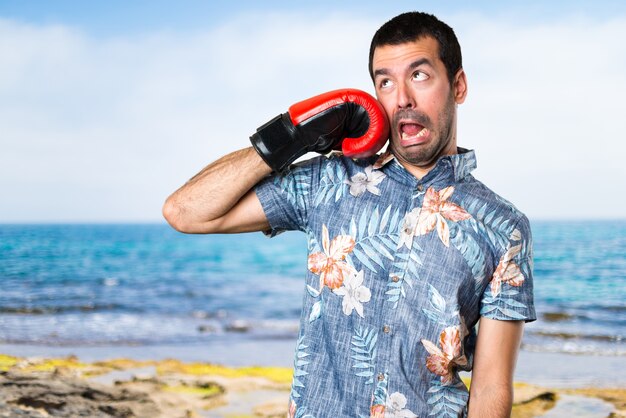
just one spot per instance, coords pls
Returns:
(389, 314)
(406, 260)
(385, 341)
(386, 324)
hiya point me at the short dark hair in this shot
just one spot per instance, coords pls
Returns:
(411, 26)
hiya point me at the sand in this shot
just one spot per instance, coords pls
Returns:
(70, 386)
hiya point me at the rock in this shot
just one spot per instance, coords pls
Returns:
(272, 409)
(557, 316)
(532, 401)
(238, 325)
(47, 394)
(8, 411)
(206, 328)
(527, 393)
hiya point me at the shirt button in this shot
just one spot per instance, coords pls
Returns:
(381, 377)
(420, 187)
(395, 279)
(386, 329)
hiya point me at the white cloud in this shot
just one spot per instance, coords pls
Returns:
(104, 129)
(544, 110)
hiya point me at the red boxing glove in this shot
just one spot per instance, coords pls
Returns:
(349, 119)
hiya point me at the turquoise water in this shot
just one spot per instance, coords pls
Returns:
(147, 284)
(580, 287)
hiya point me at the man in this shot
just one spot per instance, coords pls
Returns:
(407, 251)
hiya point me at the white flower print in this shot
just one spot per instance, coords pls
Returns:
(408, 228)
(354, 294)
(368, 180)
(395, 407)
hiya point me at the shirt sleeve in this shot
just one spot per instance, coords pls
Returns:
(286, 198)
(509, 295)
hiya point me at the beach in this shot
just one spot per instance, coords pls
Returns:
(242, 378)
(139, 321)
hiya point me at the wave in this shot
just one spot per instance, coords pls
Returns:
(53, 310)
(617, 308)
(575, 341)
(573, 348)
(595, 314)
(578, 336)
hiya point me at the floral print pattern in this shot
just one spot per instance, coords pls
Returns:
(396, 407)
(443, 361)
(354, 294)
(371, 251)
(409, 227)
(507, 271)
(292, 409)
(379, 398)
(436, 209)
(330, 264)
(377, 411)
(366, 181)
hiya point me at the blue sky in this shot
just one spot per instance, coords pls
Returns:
(106, 18)
(108, 108)
(120, 16)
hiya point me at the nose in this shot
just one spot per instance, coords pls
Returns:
(405, 98)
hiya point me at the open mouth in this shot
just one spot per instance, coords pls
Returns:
(412, 132)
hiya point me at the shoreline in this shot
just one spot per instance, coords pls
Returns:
(37, 387)
(233, 351)
(570, 371)
(548, 369)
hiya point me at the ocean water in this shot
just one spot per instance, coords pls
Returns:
(580, 288)
(91, 285)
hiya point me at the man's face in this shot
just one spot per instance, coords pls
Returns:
(413, 87)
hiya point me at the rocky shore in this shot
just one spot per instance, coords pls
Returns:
(67, 387)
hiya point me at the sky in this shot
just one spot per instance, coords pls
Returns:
(108, 107)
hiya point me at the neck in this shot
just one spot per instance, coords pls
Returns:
(419, 171)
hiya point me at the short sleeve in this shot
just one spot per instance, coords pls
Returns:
(286, 198)
(509, 294)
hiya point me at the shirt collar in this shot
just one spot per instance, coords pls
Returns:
(456, 166)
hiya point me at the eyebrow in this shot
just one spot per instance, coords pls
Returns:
(412, 66)
(419, 63)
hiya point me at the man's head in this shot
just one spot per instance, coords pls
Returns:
(412, 26)
(415, 63)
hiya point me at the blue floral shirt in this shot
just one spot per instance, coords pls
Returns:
(399, 272)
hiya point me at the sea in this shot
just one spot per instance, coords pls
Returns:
(143, 285)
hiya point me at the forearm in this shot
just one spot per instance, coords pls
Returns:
(201, 202)
(493, 401)
(491, 390)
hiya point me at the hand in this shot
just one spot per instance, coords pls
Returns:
(349, 119)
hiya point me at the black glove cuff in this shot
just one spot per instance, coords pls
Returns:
(276, 143)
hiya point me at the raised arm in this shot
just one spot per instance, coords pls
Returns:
(219, 198)
(491, 390)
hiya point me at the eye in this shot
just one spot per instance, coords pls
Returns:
(419, 76)
(384, 83)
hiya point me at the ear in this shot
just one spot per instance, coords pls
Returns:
(460, 86)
